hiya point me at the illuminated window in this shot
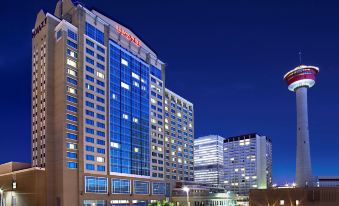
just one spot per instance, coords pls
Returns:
(282, 202)
(135, 120)
(125, 116)
(100, 75)
(115, 145)
(134, 75)
(71, 90)
(136, 84)
(71, 62)
(100, 159)
(124, 85)
(72, 72)
(136, 149)
(124, 62)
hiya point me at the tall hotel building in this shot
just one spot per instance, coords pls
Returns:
(247, 163)
(102, 120)
(209, 160)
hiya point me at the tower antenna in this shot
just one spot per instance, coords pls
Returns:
(300, 57)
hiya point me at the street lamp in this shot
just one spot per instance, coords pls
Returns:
(1, 196)
(187, 190)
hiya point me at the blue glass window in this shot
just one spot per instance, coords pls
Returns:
(72, 81)
(71, 136)
(89, 51)
(156, 72)
(89, 122)
(89, 87)
(72, 44)
(121, 186)
(100, 116)
(99, 48)
(72, 165)
(100, 66)
(89, 130)
(101, 125)
(89, 42)
(100, 142)
(141, 187)
(100, 108)
(72, 127)
(71, 108)
(99, 99)
(101, 134)
(90, 139)
(100, 168)
(89, 148)
(100, 91)
(90, 113)
(89, 69)
(89, 78)
(89, 166)
(71, 117)
(90, 157)
(100, 83)
(89, 60)
(101, 58)
(89, 104)
(72, 155)
(96, 185)
(89, 95)
(101, 151)
(72, 35)
(159, 188)
(94, 33)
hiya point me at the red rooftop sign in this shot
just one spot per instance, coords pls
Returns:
(128, 36)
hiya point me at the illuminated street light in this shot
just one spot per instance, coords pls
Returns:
(187, 190)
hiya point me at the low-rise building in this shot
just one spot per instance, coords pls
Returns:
(324, 196)
(22, 185)
(190, 194)
(328, 181)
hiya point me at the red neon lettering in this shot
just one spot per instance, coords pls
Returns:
(128, 36)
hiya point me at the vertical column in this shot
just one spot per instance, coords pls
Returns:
(303, 167)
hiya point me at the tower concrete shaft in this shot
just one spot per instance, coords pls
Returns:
(303, 164)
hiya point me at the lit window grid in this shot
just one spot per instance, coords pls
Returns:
(158, 90)
(234, 176)
(138, 164)
(95, 119)
(176, 170)
(71, 94)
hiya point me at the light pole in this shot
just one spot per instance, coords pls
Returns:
(1, 196)
(187, 190)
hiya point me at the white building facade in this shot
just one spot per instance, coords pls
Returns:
(208, 160)
(247, 163)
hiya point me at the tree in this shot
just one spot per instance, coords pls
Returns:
(161, 203)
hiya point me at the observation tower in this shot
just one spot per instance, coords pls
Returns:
(299, 80)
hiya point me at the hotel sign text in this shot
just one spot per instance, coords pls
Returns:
(128, 36)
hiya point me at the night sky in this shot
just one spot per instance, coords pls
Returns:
(227, 57)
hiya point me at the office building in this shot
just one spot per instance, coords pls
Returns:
(247, 163)
(98, 112)
(299, 80)
(179, 138)
(209, 160)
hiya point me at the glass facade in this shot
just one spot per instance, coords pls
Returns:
(96, 185)
(129, 113)
(121, 186)
(141, 187)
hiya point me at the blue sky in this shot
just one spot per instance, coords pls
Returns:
(227, 57)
